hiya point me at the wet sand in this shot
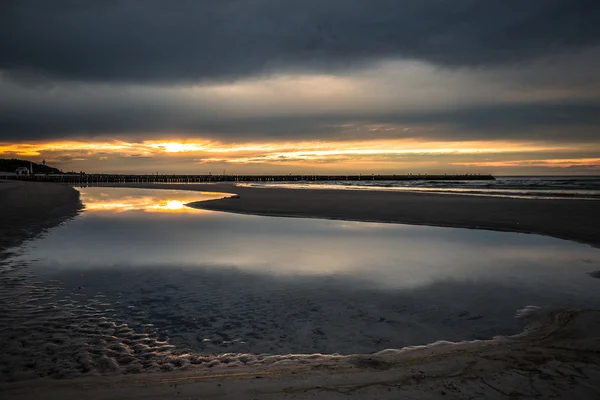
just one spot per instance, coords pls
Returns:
(27, 209)
(577, 220)
(558, 357)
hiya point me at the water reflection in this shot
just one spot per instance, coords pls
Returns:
(106, 199)
(218, 282)
(126, 227)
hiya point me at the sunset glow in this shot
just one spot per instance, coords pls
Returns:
(309, 92)
(343, 198)
(561, 163)
(101, 156)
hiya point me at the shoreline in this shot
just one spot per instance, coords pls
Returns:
(576, 220)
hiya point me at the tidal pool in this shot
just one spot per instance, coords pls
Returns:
(140, 273)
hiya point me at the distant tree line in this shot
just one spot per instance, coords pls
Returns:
(11, 165)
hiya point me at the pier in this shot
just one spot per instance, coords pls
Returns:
(92, 179)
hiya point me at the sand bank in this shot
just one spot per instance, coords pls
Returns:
(27, 209)
(577, 220)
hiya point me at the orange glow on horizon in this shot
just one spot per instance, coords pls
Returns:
(555, 162)
(316, 148)
(311, 153)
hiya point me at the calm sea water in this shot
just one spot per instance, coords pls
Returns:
(140, 282)
(538, 187)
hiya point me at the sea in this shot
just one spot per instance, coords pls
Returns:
(527, 187)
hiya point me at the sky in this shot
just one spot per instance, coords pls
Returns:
(302, 86)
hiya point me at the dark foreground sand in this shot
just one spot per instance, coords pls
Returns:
(558, 357)
(577, 220)
(27, 209)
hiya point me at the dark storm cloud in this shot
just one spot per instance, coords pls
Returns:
(564, 121)
(183, 41)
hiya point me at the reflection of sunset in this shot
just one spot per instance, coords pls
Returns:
(169, 205)
(148, 204)
(129, 200)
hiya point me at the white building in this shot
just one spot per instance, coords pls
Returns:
(21, 171)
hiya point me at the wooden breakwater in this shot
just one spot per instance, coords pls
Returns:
(91, 179)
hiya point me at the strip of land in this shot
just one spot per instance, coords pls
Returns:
(577, 220)
(27, 209)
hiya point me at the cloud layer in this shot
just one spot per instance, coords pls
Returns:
(190, 41)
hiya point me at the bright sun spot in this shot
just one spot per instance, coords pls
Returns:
(176, 147)
(170, 205)
(173, 147)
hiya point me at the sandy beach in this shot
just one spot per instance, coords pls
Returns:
(557, 357)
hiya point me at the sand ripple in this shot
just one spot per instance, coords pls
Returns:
(47, 331)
